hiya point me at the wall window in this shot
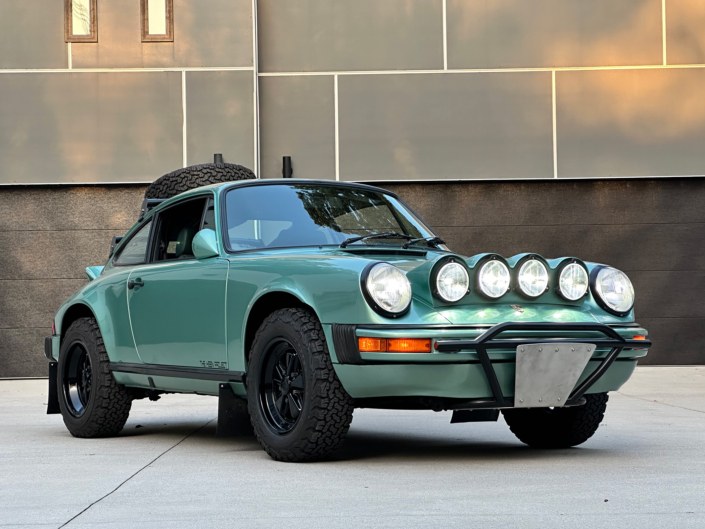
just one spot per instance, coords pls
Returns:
(80, 21)
(157, 20)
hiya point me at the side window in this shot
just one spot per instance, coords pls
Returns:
(176, 229)
(135, 251)
(209, 216)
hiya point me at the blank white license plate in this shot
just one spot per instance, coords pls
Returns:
(546, 373)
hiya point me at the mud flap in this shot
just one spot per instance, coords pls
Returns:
(233, 417)
(53, 402)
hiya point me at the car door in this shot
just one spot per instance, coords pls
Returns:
(177, 302)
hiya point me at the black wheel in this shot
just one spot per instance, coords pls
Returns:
(91, 402)
(194, 176)
(557, 427)
(298, 407)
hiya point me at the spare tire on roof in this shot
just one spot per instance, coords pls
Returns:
(195, 176)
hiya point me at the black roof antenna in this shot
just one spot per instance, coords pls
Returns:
(287, 169)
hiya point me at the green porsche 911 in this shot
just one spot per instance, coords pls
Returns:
(297, 301)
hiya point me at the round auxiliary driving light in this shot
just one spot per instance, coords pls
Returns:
(614, 289)
(533, 278)
(452, 281)
(573, 282)
(387, 288)
(494, 279)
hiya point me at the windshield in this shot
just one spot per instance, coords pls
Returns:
(281, 216)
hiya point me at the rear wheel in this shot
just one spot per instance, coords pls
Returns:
(298, 407)
(557, 427)
(91, 402)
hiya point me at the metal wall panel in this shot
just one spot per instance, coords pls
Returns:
(631, 122)
(326, 35)
(297, 119)
(206, 33)
(220, 117)
(552, 33)
(89, 127)
(32, 34)
(432, 126)
(685, 33)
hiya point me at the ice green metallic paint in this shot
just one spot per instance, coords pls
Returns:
(195, 311)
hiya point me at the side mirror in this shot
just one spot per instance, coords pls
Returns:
(205, 245)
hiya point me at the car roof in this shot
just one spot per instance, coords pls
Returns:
(269, 181)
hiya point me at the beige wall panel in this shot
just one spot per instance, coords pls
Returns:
(551, 33)
(297, 119)
(685, 31)
(220, 117)
(70, 208)
(206, 33)
(89, 127)
(325, 35)
(32, 34)
(52, 254)
(631, 122)
(445, 126)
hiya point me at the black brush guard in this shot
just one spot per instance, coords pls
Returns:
(488, 341)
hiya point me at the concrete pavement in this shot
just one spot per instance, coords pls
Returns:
(644, 468)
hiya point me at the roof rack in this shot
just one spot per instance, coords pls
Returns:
(149, 204)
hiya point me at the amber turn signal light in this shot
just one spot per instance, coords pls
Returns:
(394, 345)
(639, 337)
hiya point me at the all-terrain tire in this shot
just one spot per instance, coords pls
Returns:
(194, 176)
(557, 427)
(327, 409)
(109, 404)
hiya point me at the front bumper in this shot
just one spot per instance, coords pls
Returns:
(480, 368)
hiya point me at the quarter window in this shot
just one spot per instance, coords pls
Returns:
(80, 21)
(135, 251)
(157, 20)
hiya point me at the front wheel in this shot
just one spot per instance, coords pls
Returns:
(298, 407)
(557, 427)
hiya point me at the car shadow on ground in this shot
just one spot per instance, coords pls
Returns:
(369, 445)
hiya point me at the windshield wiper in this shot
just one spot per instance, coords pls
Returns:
(430, 240)
(388, 235)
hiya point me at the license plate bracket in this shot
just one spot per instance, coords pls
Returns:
(546, 373)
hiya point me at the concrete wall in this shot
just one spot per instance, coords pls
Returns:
(545, 95)
(651, 229)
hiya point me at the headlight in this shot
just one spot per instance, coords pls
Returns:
(573, 282)
(614, 289)
(388, 288)
(533, 278)
(452, 281)
(494, 279)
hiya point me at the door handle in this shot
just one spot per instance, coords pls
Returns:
(135, 283)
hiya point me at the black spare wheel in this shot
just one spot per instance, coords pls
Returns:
(298, 407)
(195, 176)
(91, 402)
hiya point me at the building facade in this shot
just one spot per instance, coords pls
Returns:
(562, 127)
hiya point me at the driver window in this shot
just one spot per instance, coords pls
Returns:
(176, 229)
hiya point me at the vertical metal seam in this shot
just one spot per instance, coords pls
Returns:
(553, 111)
(255, 72)
(337, 128)
(445, 36)
(183, 111)
(663, 29)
